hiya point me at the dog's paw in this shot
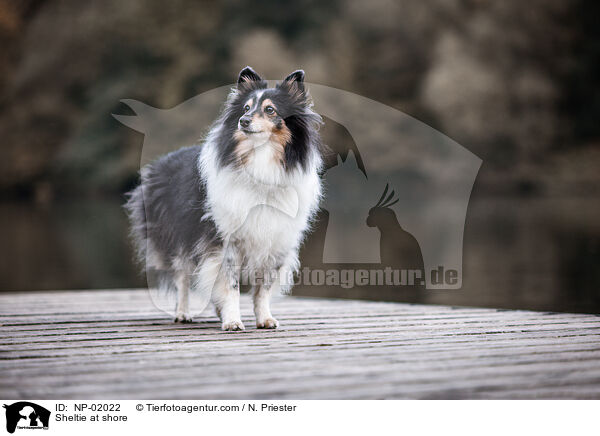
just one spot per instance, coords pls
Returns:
(268, 323)
(233, 326)
(183, 318)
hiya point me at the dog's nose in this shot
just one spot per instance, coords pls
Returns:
(244, 122)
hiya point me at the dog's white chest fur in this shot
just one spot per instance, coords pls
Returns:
(265, 217)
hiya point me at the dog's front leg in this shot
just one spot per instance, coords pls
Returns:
(278, 283)
(262, 309)
(261, 296)
(226, 295)
(227, 302)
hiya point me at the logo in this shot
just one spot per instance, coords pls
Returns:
(396, 193)
(26, 415)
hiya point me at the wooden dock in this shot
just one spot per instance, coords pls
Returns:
(117, 345)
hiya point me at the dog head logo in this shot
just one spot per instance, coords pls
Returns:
(26, 415)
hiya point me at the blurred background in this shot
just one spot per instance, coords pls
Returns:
(517, 83)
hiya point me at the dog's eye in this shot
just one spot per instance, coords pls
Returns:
(270, 110)
(246, 108)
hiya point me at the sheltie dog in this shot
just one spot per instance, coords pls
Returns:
(242, 200)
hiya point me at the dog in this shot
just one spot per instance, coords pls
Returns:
(242, 200)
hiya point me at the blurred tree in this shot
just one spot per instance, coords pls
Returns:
(514, 82)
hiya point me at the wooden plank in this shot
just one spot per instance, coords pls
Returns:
(116, 344)
(301, 375)
(413, 361)
(132, 333)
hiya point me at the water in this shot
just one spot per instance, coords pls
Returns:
(519, 253)
(70, 245)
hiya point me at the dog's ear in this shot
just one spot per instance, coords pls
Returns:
(297, 76)
(295, 81)
(248, 75)
(294, 86)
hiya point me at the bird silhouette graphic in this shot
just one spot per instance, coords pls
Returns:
(398, 248)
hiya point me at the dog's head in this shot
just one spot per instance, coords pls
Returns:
(278, 120)
(264, 111)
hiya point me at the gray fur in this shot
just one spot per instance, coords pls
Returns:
(166, 213)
